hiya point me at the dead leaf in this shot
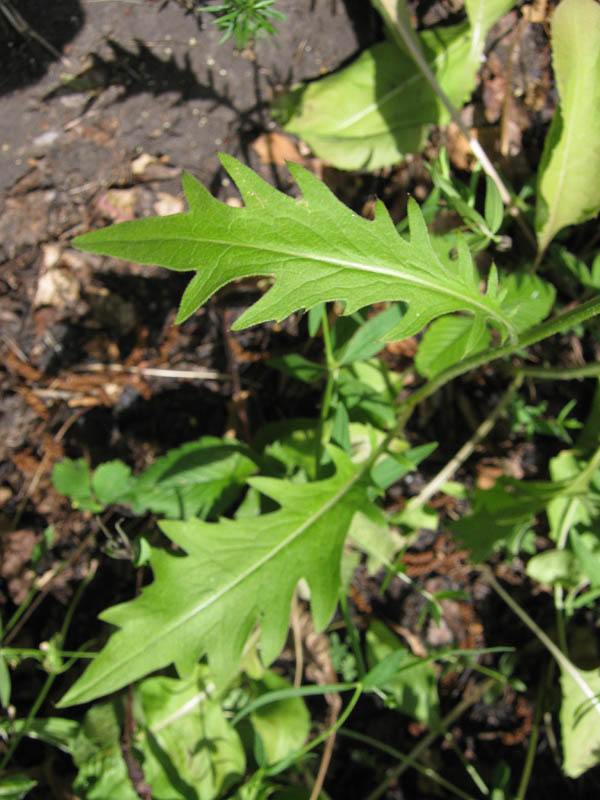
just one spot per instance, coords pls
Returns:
(117, 205)
(58, 288)
(275, 148)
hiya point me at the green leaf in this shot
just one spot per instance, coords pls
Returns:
(411, 680)
(588, 559)
(193, 480)
(554, 567)
(15, 787)
(97, 754)
(235, 573)
(316, 249)
(5, 685)
(186, 740)
(528, 299)
(284, 725)
(580, 722)
(494, 207)
(568, 190)
(110, 481)
(502, 514)
(296, 366)
(447, 341)
(57, 731)
(482, 15)
(73, 479)
(366, 342)
(377, 109)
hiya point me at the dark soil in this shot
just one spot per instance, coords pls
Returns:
(150, 93)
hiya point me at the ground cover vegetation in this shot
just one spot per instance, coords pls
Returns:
(186, 697)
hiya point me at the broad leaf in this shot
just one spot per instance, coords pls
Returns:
(15, 787)
(379, 108)
(580, 722)
(482, 15)
(316, 249)
(411, 681)
(236, 573)
(568, 189)
(186, 740)
(284, 725)
(503, 514)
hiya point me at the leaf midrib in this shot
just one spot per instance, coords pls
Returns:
(251, 570)
(429, 285)
(418, 76)
(570, 132)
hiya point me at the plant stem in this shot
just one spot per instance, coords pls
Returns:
(52, 675)
(529, 759)
(542, 331)
(467, 449)
(448, 720)
(561, 659)
(329, 388)
(558, 373)
(427, 771)
(351, 629)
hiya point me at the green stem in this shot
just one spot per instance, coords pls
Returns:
(332, 372)
(284, 764)
(535, 731)
(558, 373)
(469, 768)
(467, 449)
(51, 677)
(428, 772)
(561, 659)
(351, 629)
(542, 331)
(427, 740)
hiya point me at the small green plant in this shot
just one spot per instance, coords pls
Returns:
(244, 20)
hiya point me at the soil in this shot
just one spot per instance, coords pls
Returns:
(92, 365)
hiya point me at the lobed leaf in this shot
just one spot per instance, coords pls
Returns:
(236, 573)
(315, 248)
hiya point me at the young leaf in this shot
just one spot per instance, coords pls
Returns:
(568, 190)
(236, 573)
(580, 722)
(502, 514)
(316, 249)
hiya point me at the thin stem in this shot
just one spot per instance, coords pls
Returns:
(391, 751)
(284, 764)
(558, 373)
(533, 739)
(467, 449)
(563, 662)
(403, 33)
(351, 629)
(329, 389)
(427, 740)
(469, 768)
(51, 677)
(535, 334)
